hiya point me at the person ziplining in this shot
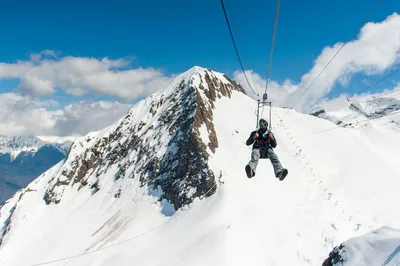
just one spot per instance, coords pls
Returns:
(264, 142)
(263, 139)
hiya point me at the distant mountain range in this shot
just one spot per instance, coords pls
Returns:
(23, 158)
(353, 111)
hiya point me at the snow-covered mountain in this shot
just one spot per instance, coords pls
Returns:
(350, 112)
(23, 158)
(14, 145)
(379, 247)
(165, 185)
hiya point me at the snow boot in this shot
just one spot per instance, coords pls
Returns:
(250, 173)
(282, 174)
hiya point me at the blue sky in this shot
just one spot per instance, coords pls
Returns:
(173, 36)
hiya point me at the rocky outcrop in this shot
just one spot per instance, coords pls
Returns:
(317, 111)
(378, 111)
(321, 113)
(163, 149)
(335, 256)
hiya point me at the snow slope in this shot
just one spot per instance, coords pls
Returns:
(340, 185)
(379, 247)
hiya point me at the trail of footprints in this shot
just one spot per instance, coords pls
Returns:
(307, 166)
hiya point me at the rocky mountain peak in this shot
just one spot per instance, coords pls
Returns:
(158, 143)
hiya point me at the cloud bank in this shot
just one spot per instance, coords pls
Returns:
(22, 115)
(43, 74)
(375, 50)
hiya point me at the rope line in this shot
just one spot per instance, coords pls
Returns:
(272, 45)
(359, 122)
(377, 82)
(358, 28)
(236, 50)
(380, 149)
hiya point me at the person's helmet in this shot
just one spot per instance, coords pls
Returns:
(263, 123)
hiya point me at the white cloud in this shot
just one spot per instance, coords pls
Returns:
(37, 57)
(79, 75)
(83, 117)
(276, 93)
(376, 49)
(22, 115)
(49, 53)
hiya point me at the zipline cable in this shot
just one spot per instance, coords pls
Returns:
(236, 50)
(237, 29)
(272, 45)
(270, 63)
(379, 81)
(358, 28)
(337, 127)
(382, 79)
(381, 151)
(366, 120)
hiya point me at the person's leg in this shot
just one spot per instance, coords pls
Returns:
(255, 156)
(275, 161)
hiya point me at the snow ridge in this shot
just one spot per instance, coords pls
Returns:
(360, 109)
(17, 144)
(14, 145)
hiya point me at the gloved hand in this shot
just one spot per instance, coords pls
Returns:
(268, 135)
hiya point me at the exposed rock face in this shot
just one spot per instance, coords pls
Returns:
(317, 111)
(351, 113)
(375, 108)
(158, 143)
(321, 113)
(335, 256)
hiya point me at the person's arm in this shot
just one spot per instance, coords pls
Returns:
(272, 139)
(252, 137)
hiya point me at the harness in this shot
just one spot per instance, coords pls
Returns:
(263, 147)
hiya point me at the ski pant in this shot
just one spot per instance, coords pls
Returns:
(255, 156)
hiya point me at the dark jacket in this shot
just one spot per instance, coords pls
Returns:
(263, 140)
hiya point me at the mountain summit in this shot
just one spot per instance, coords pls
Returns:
(158, 144)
